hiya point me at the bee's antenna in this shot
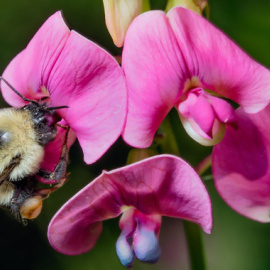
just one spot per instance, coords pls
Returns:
(58, 107)
(15, 91)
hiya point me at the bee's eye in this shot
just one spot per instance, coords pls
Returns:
(4, 137)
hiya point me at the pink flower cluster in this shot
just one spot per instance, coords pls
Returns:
(177, 60)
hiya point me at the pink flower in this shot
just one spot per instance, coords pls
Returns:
(159, 186)
(181, 60)
(241, 165)
(71, 71)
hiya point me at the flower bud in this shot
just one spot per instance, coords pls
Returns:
(119, 14)
(196, 5)
(204, 116)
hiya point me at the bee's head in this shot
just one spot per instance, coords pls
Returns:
(41, 113)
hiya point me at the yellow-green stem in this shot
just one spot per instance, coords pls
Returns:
(193, 232)
(204, 165)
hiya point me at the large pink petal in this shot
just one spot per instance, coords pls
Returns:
(241, 165)
(163, 185)
(154, 71)
(218, 62)
(30, 69)
(89, 80)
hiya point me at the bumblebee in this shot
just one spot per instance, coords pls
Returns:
(24, 133)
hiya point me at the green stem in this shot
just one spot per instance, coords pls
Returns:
(193, 231)
(204, 165)
(145, 6)
(195, 246)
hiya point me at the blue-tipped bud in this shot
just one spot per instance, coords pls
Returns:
(124, 251)
(146, 246)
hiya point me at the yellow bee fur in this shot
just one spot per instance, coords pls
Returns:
(18, 140)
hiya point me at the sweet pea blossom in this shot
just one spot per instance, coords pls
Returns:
(70, 70)
(181, 60)
(241, 168)
(142, 192)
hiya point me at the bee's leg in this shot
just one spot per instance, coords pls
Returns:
(59, 176)
(60, 168)
(45, 192)
(21, 194)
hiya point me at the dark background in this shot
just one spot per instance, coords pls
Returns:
(236, 243)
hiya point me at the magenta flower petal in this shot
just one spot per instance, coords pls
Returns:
(89, 80)
(161, 185)
(30, 69)
(154, 72)
(218, 62)
(241, 165)
(223, 110)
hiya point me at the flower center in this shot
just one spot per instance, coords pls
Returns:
(204, 116)
(138, 237)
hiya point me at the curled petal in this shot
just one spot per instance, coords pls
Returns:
(89, 80)
(161, 185)
(241, 165)
(218, 62)
(197, 134)
(30, 69)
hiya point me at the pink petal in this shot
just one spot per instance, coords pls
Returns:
(162, 185)
(223, 110)
(154, 71)
(30, 69)
(200, 111)
(241, 165)
(218, 62)
(89, 80)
